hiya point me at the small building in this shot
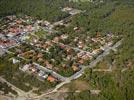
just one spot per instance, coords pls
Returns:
(33, 69)
(45, 76)
(50, 66)
(51, 78)
(41, 73)
(75, 68)
(15, 61)
(80, 54)
(96, 51)
(74, 12)
(66, 9)
(81, 61)
(64, 36)
(56, 39)
(25, 67)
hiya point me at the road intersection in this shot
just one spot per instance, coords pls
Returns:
(65, 80)
(78, 74)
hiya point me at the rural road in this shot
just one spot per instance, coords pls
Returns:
(78, 74)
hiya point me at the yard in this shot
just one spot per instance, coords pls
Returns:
(20, 79)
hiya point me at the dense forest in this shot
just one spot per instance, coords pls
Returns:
(43, 9)
(115, 16)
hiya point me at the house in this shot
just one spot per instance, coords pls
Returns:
(10, 35)
(98, 34)
(45, 76)
(11, 17)
(19, 21)
(25, 38)
(66, 9)
(25, 67)
(51, 78)
(64, 65)
(56, 39)
(75, 68)
(74, 12)
(49, 43)
(40, 60)
(1, 35)
(33, 69)
(81, 61)
(15, 61)
(50, 66)
(68, 50)
(110, 34)
(35, 40)
(7, 42)
(41, 73)
(96, 51)
(76, 28)
(102, 48)
(39, 55)
(62, 46)
(76, 39)
(94, 40)
(80, 44)
(44, 46)
(80, 54)
(46, 23)
(64, 36)
(110, 43)
(85, 57)
(69, 57)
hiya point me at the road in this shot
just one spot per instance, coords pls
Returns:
(66, 80)
(19, 91)
(61, 78)
(94, 62)
(58, 76)
(78, 74)
(61, 21)
(74, 48)
(53, 91)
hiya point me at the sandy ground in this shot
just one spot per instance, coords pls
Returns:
(54, 96)
(3, 97)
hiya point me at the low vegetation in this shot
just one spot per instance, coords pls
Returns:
(111, 16)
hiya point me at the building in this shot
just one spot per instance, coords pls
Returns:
(75, 68)
(51, 78)
(25, 67)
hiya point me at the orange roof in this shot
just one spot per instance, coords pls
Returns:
(81, 61)
(75, 68)
(51, 79)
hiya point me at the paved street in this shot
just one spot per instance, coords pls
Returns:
(61, 78)
(78, 74)
(94, 62)
(65, 80)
